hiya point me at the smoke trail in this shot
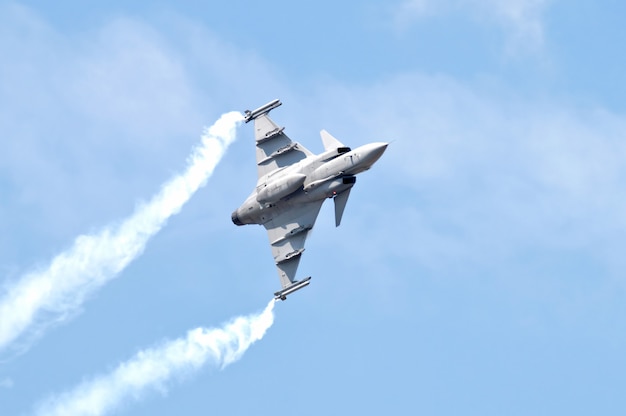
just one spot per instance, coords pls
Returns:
(47, 296)
(151, 368)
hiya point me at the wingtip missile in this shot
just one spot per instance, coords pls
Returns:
(282, 294)
(251, 115)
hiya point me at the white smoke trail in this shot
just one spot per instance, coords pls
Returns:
(151, 368)
(93, 260)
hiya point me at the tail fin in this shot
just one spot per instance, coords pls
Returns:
(329, 141)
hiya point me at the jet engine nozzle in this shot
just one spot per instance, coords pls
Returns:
(235, 217)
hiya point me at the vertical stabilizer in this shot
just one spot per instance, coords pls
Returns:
(329, 141)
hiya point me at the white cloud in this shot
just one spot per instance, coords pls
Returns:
(6, 383)
(521, 20)
(126, 74)
(85, 118)
(478, 179)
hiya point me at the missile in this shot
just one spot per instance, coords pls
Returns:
(282, 294)
(291, 233)
(251, 115)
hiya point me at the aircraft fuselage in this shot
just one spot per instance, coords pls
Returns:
(313, 178)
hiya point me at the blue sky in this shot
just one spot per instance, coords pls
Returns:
(479, 266)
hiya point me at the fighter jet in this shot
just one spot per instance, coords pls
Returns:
(292, 186)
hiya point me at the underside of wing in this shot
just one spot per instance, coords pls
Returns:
(274, 149)
(287, 234)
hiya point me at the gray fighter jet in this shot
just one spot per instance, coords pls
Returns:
(293, 184)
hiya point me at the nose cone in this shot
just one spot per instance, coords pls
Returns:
(378, 149)
(373, 151)
(365, 156)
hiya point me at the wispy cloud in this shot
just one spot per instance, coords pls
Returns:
(6, 383)
(113, 105)
(152, 368)
(521, 20)
(48, 296)
(481, 178)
